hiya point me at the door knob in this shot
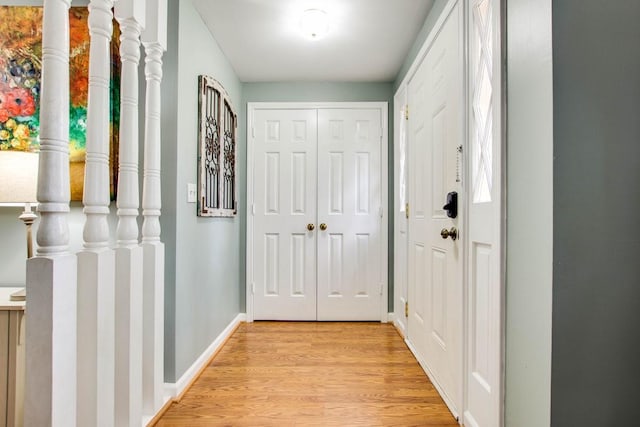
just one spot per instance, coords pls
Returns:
(323, 226)
(311, 227)
(453, 233)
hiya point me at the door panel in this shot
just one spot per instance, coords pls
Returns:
(435, 264)
(418, 224)
(284, 201)
(349, 201)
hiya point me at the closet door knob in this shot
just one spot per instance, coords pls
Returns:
(323, 226)
(311, 227)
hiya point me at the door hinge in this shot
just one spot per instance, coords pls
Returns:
(406, 112)
(381, 212)
(253, 132)
(253, 209)
(406, 210)
(406, 309)
(253, 288)
(381, 288)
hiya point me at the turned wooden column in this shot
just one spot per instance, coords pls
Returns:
(154, 39)
(96, 261)
(129, 257)
(50, 389)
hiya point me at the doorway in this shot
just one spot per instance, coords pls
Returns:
(316, 226)
(449, 299)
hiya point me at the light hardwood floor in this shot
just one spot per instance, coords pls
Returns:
(311, 374)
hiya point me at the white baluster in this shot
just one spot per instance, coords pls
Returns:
(96, 262)
(154, 39)
(128, 387)
(51, 276)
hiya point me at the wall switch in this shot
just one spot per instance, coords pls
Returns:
(191, 193)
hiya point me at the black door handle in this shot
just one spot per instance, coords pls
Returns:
(452, 204)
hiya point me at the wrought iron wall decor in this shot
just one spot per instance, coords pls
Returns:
(218, 122)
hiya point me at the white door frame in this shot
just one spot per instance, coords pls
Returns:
(401, 220)
(384, 177)
(466, 194)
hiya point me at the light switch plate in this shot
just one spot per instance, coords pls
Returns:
(191, 193)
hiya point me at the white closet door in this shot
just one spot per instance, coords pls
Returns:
(284, 250)
(435, 263)
(349, 204)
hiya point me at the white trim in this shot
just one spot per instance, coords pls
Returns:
(384, 177)
(400, 327)
(427, 43)
(173, 390)
(384, 181)
(250, 209)
(465, 190)
(373, 105)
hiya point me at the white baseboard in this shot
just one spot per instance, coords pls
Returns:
(390, 318)
(173, 390)
(400, 327)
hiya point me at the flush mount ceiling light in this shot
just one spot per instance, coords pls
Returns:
(314, 23)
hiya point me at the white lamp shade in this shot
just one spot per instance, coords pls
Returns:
(18, 177)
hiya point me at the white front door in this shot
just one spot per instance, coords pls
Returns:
(284, 204)
(315, 245)
(349, 214)
(435, 324)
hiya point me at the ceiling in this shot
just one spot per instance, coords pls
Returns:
(368, 40)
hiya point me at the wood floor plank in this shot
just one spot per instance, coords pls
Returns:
(311, 374)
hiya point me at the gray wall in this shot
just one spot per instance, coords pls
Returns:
(309, 92)
(204, 295)
(169, 114)
(429, 22)
(529, 195)
(596, 284)
(13, 250)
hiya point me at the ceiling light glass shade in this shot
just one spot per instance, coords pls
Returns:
(314, 23)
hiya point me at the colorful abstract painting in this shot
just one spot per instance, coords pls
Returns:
(20, 80)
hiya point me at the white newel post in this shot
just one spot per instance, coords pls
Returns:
(96, 262)
(154, 39)
(128, 386)
(50, 398)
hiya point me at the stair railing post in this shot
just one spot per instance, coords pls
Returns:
(96, 261)
(50, 389)
(154, 40)
(130, 15)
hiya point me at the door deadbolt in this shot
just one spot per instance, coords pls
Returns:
(323, 226)
(453, 233)
(311, 227)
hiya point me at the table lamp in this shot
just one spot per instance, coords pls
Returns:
(18, 186)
